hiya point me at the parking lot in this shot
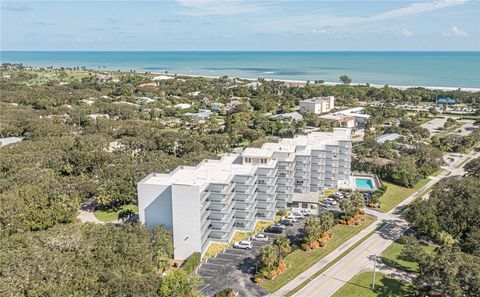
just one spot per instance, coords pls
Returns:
(235, 268)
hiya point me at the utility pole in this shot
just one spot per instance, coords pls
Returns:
(374, 270)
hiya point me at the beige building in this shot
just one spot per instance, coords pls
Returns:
(317, 105)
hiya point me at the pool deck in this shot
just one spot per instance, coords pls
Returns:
(372, 177)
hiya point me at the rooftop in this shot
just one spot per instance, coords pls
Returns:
(388, 137)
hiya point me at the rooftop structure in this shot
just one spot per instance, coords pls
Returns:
(209, 202)
(289, 116)
(9, 140)
(317, 105)
(446, 101)
(347, 121)
(183, 106)
(357, 113)
(388, 137)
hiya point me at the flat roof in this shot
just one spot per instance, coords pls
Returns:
(223, 170)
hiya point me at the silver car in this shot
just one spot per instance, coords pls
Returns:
(260, 237)
(244, 245)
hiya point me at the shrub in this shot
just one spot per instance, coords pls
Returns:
(228, 292)
(191, 262)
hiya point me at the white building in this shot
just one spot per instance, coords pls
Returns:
(209, 202)
(317, 105)
(183, 106)
(357, 112)
(217, 106)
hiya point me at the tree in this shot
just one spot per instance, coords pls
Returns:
(269, 255)
(357, 202)
(473, 168)
(126, 214)
(345, 79)
(313, 230)
(347, 207)
(282, 243)
(327, 222)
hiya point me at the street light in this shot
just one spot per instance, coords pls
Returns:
(374, 270)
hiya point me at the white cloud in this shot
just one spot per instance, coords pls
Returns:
(407, 33)
(218, 7)
(316, 21)
(455, 32)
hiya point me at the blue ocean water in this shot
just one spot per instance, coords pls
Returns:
(442, 69)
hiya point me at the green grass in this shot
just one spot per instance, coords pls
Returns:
(239, 236)
(316, 274)
(108, 216)
(396, 194)
(299, 261)
(361, 286)
(391, 256)
(436, 173)
(214, 249)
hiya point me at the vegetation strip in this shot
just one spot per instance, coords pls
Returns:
(308, 280)
(299, 260)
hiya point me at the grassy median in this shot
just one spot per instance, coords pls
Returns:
(299, 261)
(112, 215)
(361, 286)
(396, 194)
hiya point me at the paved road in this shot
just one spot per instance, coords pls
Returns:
(361, 257)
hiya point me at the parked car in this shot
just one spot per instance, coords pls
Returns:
(298, 215)
(277, 228)
(290, 218)
(305, 212)
(287, 222)
(331, 201)
(260, 237)
(244, 245)
(324, 204)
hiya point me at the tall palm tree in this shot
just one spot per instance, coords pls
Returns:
(269, 255)
(326, 222)
(283, 246)
(313, 230)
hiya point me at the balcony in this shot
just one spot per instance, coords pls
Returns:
(205, 215)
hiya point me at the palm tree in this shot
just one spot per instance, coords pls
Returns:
(346, 206)
(269, 255)
(313, 230)
(357, 202)
(326, 222)
(283, 245)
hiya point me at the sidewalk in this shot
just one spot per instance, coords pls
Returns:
(325, 260)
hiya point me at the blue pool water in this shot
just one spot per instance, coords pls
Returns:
(364, 184)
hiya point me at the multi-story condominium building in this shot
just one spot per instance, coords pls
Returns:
(317, 104)
(209, 202)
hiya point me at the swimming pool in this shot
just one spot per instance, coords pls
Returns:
(364, 184)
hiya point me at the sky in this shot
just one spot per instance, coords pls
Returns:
(202, 25)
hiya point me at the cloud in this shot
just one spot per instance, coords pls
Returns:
(40, 23)
(318, 21)
(171, 21)
(17, 7)
(455, 32)
(217, 7)
(407, 33)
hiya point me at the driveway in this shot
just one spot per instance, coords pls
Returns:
(235, 268)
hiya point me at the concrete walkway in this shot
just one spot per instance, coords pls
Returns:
(86, 216)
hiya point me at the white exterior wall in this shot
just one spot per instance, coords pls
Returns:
(186, 220)
(211, 201)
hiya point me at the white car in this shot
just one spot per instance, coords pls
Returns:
(290, 218)
(305, 212)
(331, 201)
(244, 245)
(298, 215)
(260, 237)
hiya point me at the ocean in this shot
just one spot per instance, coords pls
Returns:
(433, 69)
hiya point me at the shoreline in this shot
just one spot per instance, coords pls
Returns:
(328, 83)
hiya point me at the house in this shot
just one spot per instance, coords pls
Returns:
(209, 202)
(317, 105)
(291, 116)
(357, 113)
(89, 101)
(448, 101)
(346, 121)
(145, 100)
(388, 137)
(217, 106)
(148, 84)
(183, 106)
(95, 116)
(201, 114)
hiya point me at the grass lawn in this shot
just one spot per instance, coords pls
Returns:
(391, 256)
(396, 194)
(298, 261)
(214, 249)
(327, 194)
(108, 216)
(440, 170)
(361, 286)
(239, 236)
(261, 225)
